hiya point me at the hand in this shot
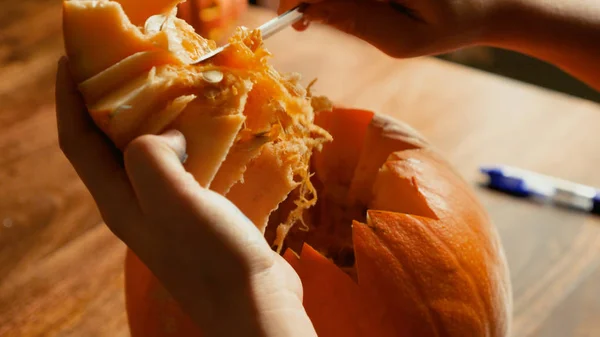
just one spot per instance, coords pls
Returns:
(403, 28)
(206, 253)
(563, 33)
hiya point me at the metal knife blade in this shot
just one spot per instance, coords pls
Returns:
(267, 29)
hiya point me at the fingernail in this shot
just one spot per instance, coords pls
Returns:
(301, 25)
(176, 141)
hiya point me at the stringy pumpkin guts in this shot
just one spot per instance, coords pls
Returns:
(250, 130)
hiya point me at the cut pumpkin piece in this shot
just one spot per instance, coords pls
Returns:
(383, 137)
(236, 163)
(122, 72)
(121, 113)
(258, 130)
(210, 147)
(261, 104)
(141, 282)
(397, 185)
(335, 164)
(331, 298)
(89, 27)
(98, 34)
(157, 122)
(266, 183)
(388, 286)
(404, 256)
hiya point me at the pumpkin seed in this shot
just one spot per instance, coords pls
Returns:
(212, 76)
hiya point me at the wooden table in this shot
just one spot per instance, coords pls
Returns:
(61, 269)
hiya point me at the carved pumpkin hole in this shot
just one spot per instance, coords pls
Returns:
(327, 226)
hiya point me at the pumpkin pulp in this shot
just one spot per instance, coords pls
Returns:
(250, 130)
(350, 178)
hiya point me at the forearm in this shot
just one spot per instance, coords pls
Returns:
(564, 33)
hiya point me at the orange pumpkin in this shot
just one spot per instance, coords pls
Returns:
(212, 19)
(397, 243)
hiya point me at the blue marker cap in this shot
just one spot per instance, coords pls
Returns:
(522, 183)
(499, 181)
(596, 207)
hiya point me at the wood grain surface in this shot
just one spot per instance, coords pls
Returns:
(61, 269)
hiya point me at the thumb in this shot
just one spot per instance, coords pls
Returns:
(181, 211)
(386, 27)
(155, 162)
(211, 258)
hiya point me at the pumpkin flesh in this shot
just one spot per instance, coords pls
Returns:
(147, 83)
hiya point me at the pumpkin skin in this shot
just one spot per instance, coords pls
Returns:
(428, 260)
(398, 244)
(212, 19)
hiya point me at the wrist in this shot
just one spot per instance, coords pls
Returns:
(562, 33)
(505, 24)
(552, 31)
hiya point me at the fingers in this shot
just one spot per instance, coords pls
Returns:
(184, 212)
(154, 164)
(389, 26)
(285, 5)
(378, 23)
(95, 160)
(206, 250)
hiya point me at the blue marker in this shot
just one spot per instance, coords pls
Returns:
(529, 184)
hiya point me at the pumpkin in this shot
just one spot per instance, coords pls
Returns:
(397, 244)
(212, 19)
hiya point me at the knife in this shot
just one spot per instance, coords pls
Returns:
(267, 29)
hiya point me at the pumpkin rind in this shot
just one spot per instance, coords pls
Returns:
(428, 259)
(151, 311)
(331, 297)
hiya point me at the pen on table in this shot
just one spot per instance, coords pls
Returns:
(530, 184)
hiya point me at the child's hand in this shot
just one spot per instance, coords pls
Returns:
(206, 253)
